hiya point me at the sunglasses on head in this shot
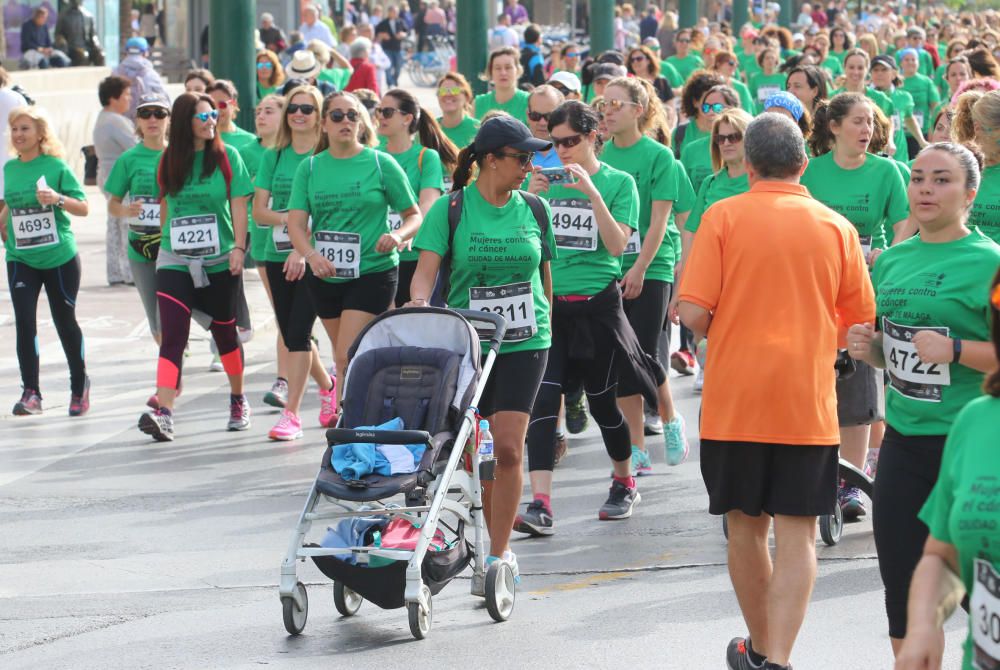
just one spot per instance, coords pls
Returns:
(305, 108)
(337, 115)
(568, 142)
(538, 116)
(522, 158)
(613, 105)
(205, 116)
(148, 113)
(265, 65)
(386, 112)
(716, 107)
(449, 90)
(731, 138)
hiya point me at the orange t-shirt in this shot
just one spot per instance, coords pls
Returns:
(776, 268)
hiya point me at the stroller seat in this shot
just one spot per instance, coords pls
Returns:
(416, 384)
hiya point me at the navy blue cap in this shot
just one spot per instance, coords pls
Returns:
(504, 130)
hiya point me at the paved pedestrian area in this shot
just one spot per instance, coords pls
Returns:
(117, 552)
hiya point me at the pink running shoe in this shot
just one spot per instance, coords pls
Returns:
(328, 416)
(289, 427)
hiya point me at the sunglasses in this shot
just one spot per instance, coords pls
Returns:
(386, 112)
(731, 138)
(716, 107)
(568, 142)
(522, 158)
(304, 108)
(205, 116)
(572, 54)
(225, 104)
(337, 116)
(636, 59)
(449, 90)
(150, 113)
(559, 87)
(265, 65)
(613, 105)
(538, 116)
(684, 40)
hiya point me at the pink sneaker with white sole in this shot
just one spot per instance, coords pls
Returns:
(328, 415)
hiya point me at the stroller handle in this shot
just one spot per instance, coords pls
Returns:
(498, 323)
(348, 435)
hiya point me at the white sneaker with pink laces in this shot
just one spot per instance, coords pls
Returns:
(328, 416)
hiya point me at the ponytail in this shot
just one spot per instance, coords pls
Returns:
(432, 137)
(463, 170)
(963, 128)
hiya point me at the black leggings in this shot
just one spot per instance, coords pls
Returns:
(62, 284)
(600, 383)
(907, 470)
(177, 296)
(293, 307)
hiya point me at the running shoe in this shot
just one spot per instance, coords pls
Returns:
(699, 380)
(562, 446)
(79, 404)
(239, 414)
(737, 657)
(289, 427)
(641, 463)
(328, 416)
(511, 559)
(683, 362)
(576, 413)
(536, 521)
(29, 404)
(675, 438)
(216, 364)
(851, 503)
(652, 424)
(621, 500)
(871, 463)
(158, 424)
(278, 395)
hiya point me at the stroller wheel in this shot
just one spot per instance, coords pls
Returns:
(295, 618)
(501, 591)
(831, 526)
(420, 618)
(345, 600)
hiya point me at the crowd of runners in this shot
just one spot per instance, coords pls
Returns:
(823, 206)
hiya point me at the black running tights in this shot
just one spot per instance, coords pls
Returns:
(62, 284)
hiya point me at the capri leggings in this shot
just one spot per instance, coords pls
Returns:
(177, 296)
(646, 314)
(907, 470)
(62, 284)
(600, 383)
(293, 307)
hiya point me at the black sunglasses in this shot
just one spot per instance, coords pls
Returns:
(538, 116)
(305, 108)
(337, 115)
(568, 142)
(521, 158)
(150, 113)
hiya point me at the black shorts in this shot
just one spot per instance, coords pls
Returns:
(371, 293)
(755, 477)
(406, 271)
(514, 382)
(861, 397)
(647, 314)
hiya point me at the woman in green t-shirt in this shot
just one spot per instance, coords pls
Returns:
(696, 157)
(725, 64)
(962, 513)
(925, 94)
(425, 163)
(769, 80)
(984, 119)
(840, 43)
(699, 123)
(932, 336)
(40, 192)
(270, 74)
(499, 246)
(905, 128)
(223, 93)
(455, 100)
(282, 269)
(502, 71)
(348, 189)
(808, 84)
(204, 191)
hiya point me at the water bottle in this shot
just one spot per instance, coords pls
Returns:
(487, 463)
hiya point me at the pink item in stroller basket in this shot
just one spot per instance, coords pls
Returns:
(401, 534)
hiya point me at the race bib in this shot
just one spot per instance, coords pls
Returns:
(984, 607)
(908, 375)
(514, 302)
(195, 236)
(282, 241)
(341, 249)
(919, 116)
(447, 183)
(765, 92)
(148, 221)
(573, 224)
(33, 227)
(897, 123)
(866, 244)
(633, 244)
(395, 222)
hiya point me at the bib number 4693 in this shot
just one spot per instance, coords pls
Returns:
(33, 227)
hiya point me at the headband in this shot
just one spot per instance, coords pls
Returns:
(903, 53)
(786, 101)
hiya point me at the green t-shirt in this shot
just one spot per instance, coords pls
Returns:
(881, 100)
(925, 97)
(462, 134)
(902, 105)
(275, 175)
(748, 65)
(671, 74)
(251, 153)
(134, 174)
(746, 98)
(872, 197)
(336, 76)
(715, 188)
(985, 213)
(39, 237)
(697, 160)
(833, 65)
(496, 256)
(686, 200)
(692, 133)
(584, 266)
(516, 106)
(349, 200)
(762, 86)
(686, 65)
(654, 169)
(963, 510)
(940, 81)
(921, 286)
(423, 170)
(238, 138)
(264, 91)
(199, 217)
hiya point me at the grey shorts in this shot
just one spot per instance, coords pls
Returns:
(861, 397)
(144, 276)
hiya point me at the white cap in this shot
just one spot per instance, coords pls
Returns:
(566, 79)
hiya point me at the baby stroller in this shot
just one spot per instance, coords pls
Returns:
(421, 365)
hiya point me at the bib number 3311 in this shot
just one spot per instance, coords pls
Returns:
(514, 302)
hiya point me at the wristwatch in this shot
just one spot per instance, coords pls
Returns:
(957, 348)
(61, 202)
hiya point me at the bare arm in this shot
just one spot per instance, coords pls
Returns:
(695, 317)
(262, 214)
(424, 277)
(912, 127)
(118, 208)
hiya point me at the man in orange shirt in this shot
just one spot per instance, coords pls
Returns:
(773, 276)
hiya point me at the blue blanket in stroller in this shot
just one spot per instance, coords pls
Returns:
(358, 459)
